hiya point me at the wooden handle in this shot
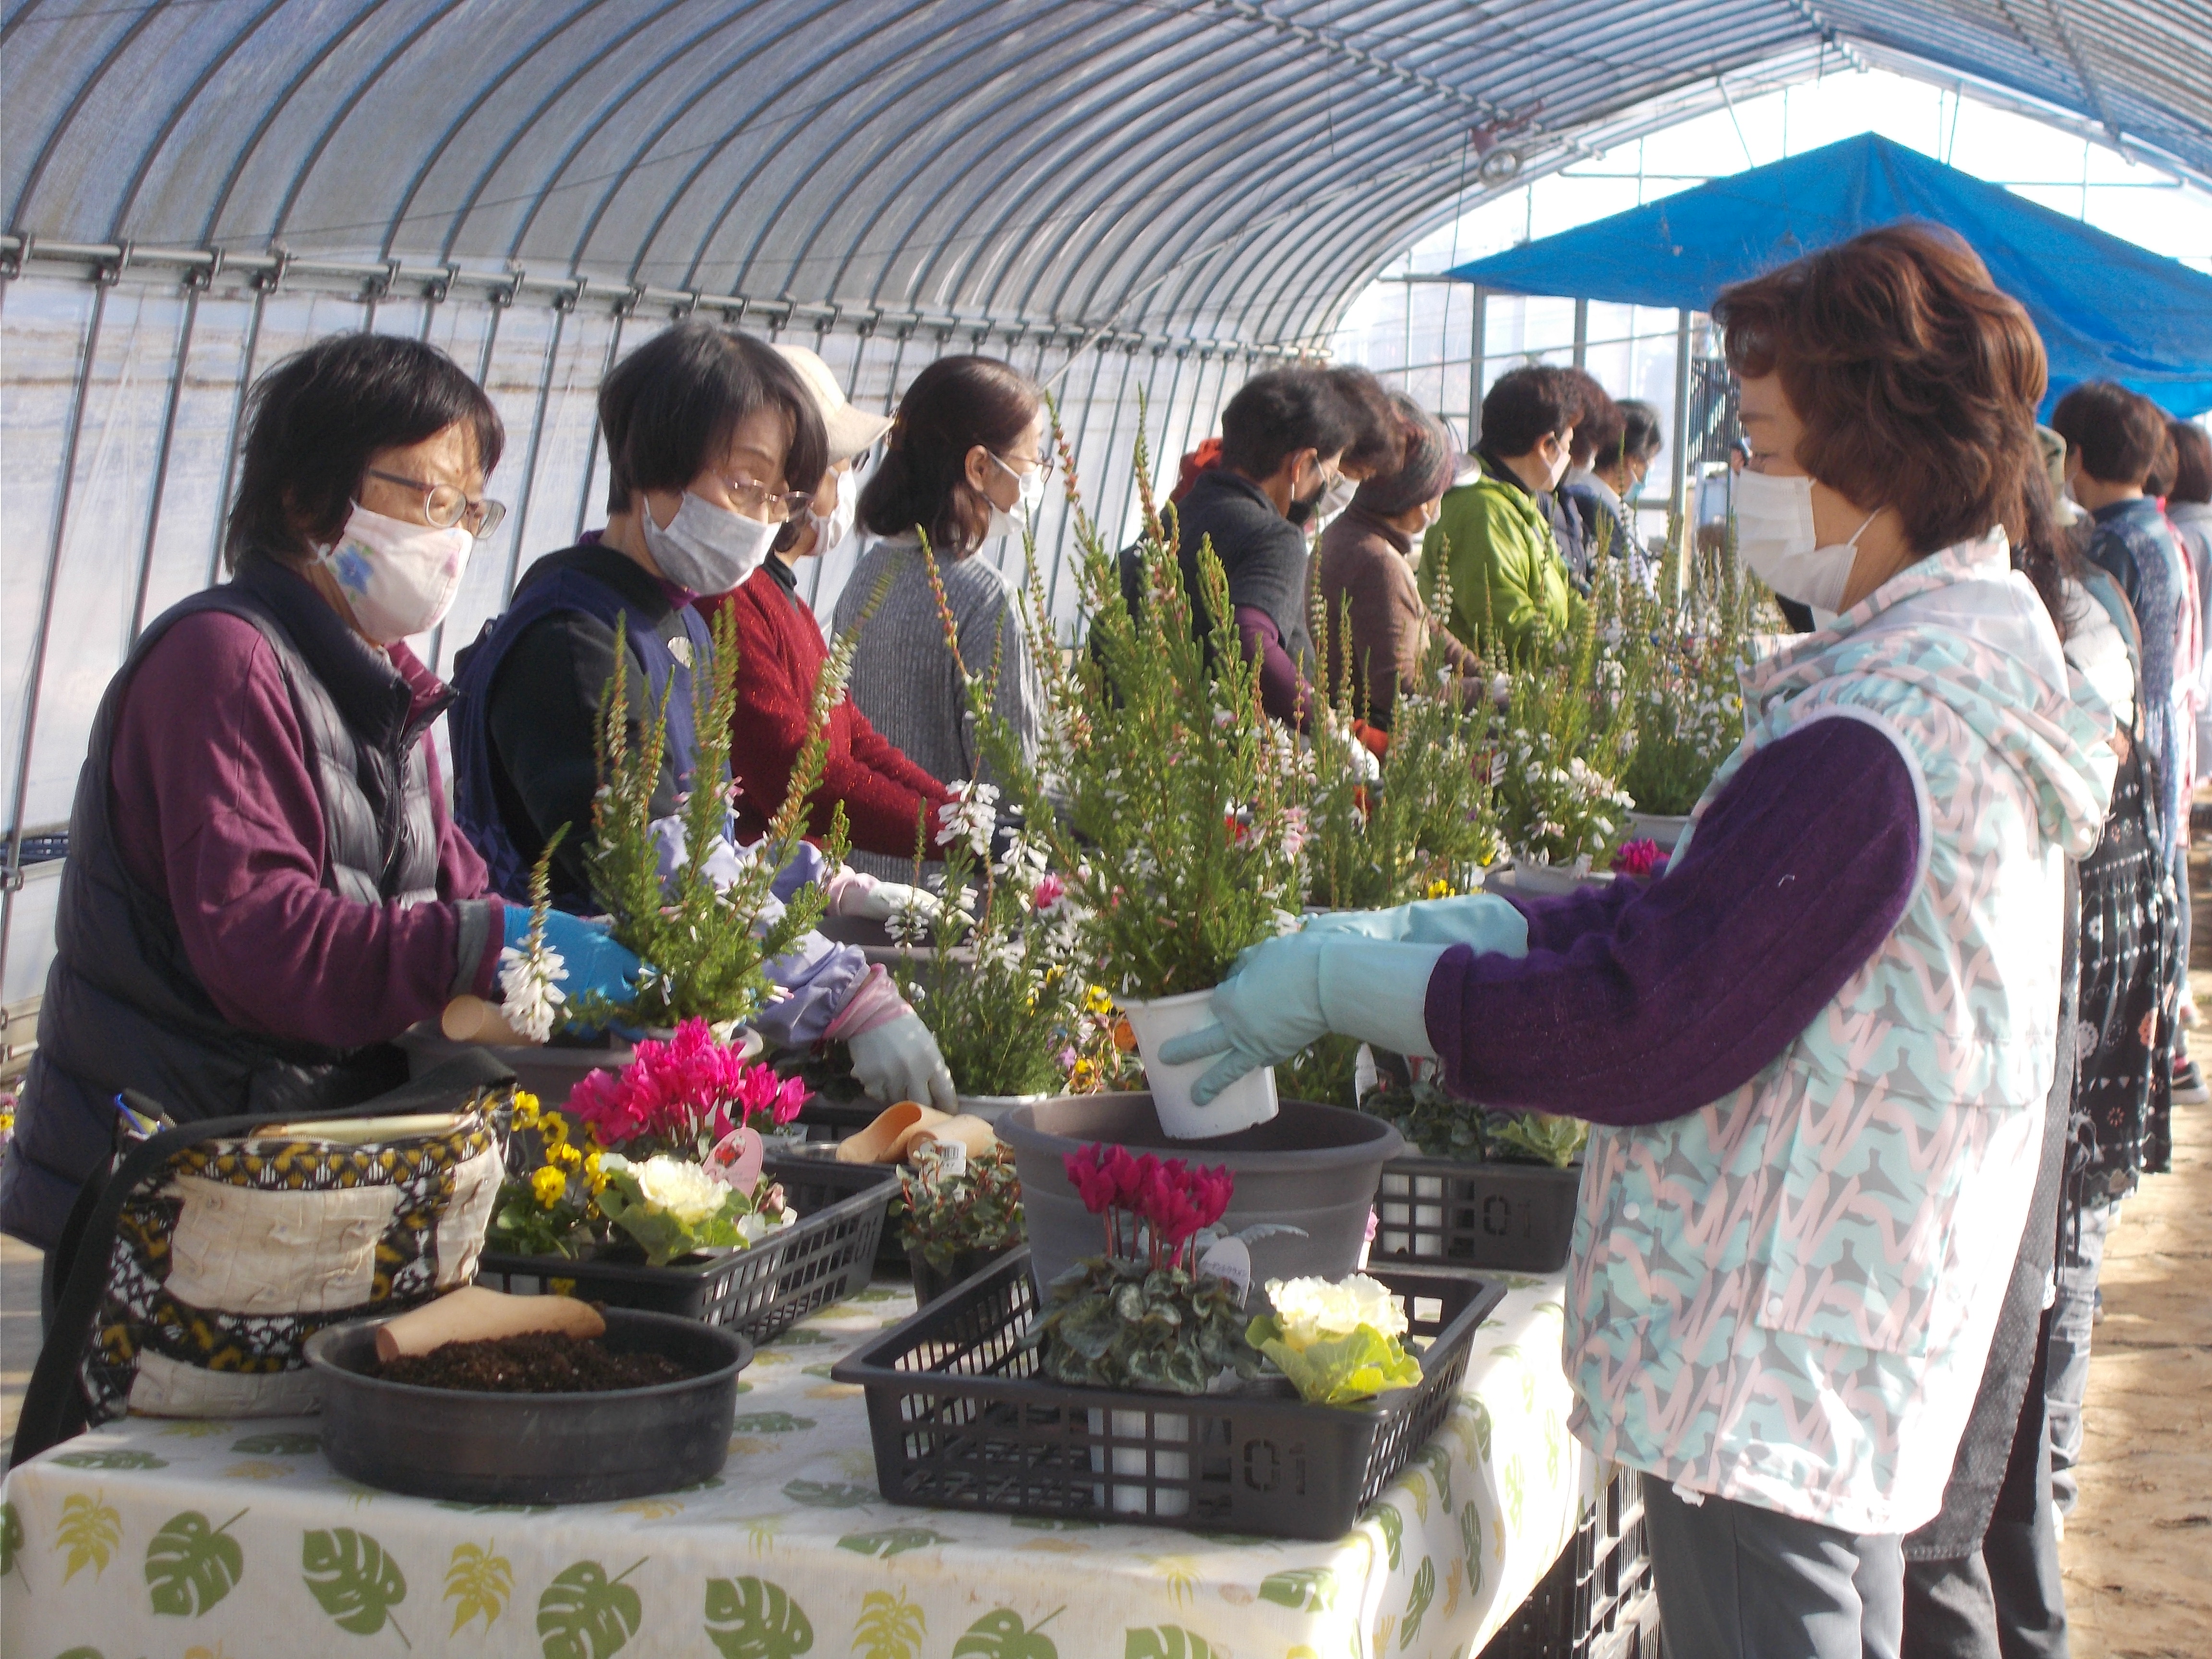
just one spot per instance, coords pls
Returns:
(471, 1019)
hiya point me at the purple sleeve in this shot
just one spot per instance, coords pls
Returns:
(1797, 872)
(1283, 690)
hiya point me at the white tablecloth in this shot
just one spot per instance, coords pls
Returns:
(236, 1539)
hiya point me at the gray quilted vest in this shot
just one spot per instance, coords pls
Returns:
(122, 1007)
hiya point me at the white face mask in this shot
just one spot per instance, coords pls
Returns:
(1776, 539)
(1021, 518)
(829, 532)
(1336, 497)
(399, 578)
(706, 548)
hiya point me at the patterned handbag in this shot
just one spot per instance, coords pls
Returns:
(197, 1271)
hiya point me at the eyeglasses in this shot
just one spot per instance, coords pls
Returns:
(1042, 463)
(446, 505)
(750, 497)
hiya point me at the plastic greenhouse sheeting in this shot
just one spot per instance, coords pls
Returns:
(2107, 309)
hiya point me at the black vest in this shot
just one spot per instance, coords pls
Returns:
(122, 1007)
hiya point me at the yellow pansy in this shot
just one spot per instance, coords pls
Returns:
(548, 1185)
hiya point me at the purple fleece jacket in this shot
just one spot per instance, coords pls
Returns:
(1639, 1002)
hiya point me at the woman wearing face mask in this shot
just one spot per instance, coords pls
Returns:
(966, 464)
(1508, 579)
(1622, 449)
(714, 445)
(264, 887)
(1818, 1050)
(1366, 558)
(781, 652)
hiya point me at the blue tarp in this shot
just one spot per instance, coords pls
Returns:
(2107, 309)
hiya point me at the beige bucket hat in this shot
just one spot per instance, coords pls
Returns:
(851, 431)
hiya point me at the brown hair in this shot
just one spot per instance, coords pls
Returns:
(2117, 432)
(1915, 379)
(669, 410)
(2192, 457)
(954, 404)
(1377, 445)
(1600, 424)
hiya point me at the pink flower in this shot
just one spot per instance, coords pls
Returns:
(1050, 889)
(689, 1085)
(1294, 831)
(1639, 857)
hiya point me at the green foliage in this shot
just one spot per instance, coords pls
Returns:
(1535, 1138)
(1683, 657)
(1304, 1590)
(585, 1615)
(1001, 1634)
(890, 1626)
(1326, 1074)
(89, 1531)
(664, 1235)
(1176, 807)
(191, 1566)
(943, 1216)
(706, 945)
(352, 1579)
(892, 1541)
(1567, 738)
(1416, 1604)
(1167, 1642)
(753, 1618)
(1438, 1124)
(479, 1583)
(1343, 1370)
(1114, 1323)
(1427, 824)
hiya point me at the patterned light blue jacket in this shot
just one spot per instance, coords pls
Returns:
(1786, 1297)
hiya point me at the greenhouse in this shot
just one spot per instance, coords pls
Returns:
(1182, 828)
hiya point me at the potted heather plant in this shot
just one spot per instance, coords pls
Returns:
(1007, 1008)
(956, 1213)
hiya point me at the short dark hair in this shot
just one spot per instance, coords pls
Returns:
(921, 481)
(1280, 411)
(1377, 445)
(2118, 433)
(1596, 420)
(2192, 463)
(671, 406)
(1640, 436)
(314, 420)
(1915, 376)
(2158, 481)
(1527, 405)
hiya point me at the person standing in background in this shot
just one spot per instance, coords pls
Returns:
(1621, 452)
(781, 652)
(2189, 509)
(1596, 421)
(966, 464)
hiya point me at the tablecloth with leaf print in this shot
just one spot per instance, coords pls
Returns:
(233, 1540)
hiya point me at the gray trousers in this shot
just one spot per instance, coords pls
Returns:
(2073, 1316)
(1739, 1582)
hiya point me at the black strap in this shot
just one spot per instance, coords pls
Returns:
(53, 1403)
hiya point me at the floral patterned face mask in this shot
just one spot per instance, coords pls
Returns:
(399, 578)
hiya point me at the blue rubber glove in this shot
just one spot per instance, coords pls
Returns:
(1288, 993)
(1482, 920)
(590, 959)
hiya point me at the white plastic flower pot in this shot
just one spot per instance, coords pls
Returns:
(1137, 1496)
(1250, 1100)
(991, 1107)
(1541, 880)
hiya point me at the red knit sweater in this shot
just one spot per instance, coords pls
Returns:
(781, 652)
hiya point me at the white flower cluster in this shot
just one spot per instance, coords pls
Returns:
(528, 983)
(682, 1189)
(970, 816)
(1310, 1310)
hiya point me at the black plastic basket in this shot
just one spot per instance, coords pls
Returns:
(760, 1292)
(1596, 1601)
(1519, 1218)
(962, 1420)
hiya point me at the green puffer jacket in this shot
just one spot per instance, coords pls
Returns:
(1500, 541)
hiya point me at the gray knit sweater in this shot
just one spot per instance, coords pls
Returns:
(904, 679)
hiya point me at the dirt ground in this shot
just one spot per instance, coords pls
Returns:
(2137, 1553)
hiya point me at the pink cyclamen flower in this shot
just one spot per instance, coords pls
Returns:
(1639, 857)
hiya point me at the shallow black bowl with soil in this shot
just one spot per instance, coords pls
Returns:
(477, 1447)
(536, 1362)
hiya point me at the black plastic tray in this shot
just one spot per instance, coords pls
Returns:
(961, 1420)
(1519, 1218)
(532, 1447)
(825, 1256)
(1596, 1601)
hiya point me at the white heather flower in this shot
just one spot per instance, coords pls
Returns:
(909, 920)
(1023, 863)
(1310, 1310)
(1295, 833)
(529, 981)
(969, 815)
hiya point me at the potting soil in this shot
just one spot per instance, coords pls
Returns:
(538, 1362)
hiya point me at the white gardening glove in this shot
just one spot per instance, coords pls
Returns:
(898, 1060)
(867, 899)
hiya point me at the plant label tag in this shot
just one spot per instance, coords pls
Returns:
(1229, 1261)
(952, 1159)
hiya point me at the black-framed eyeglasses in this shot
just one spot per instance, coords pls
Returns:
(448, 505)
(779, 506)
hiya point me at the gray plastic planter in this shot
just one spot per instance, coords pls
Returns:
(1309, 1168)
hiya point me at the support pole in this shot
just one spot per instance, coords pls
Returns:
(1582, 334)
(1476, 330)
(1678, 501)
